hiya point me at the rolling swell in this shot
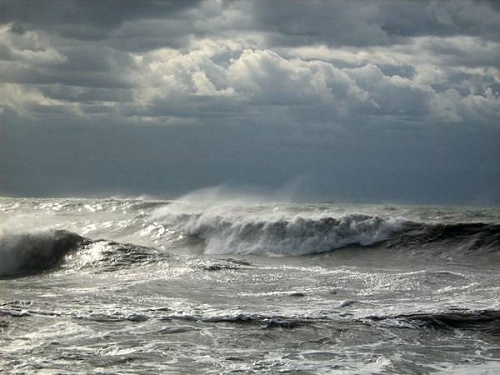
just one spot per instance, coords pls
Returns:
(469, 236)
(483, 320)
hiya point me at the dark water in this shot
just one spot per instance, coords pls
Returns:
(197, 287)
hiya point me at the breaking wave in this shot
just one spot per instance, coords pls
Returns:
(31, 253)
(306, 236)
(155, 230)
(298, 236)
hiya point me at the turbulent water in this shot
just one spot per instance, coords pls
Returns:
(107, 286)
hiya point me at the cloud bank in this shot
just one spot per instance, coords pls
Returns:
(274, 89)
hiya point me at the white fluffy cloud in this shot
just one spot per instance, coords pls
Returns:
(266, 78)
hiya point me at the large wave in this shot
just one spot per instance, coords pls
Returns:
(137, 232)
(31, 253)
(305, 236)
(297, 236)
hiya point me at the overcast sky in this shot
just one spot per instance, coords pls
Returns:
(364, 101)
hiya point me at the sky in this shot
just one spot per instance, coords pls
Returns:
(345, 101)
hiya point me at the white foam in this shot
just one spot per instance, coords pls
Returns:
(282, 236)
(487, 368)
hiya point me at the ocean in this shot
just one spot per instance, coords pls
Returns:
(247, 286)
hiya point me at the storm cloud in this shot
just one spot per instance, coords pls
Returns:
(358, 100)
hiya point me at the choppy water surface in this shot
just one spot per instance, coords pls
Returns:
(139, 287)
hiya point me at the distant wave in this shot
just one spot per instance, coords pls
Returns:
(305, 236)
(473, 236)
(298, 236)
(487, 321)
(31, 253)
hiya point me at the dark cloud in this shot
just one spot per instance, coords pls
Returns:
(373, 100)
(364, 23)
(335, 23)
(439, 18)
(86, 20)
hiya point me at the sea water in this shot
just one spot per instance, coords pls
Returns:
(221, 286)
